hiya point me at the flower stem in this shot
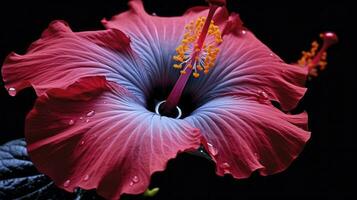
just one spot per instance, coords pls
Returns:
(175, 95)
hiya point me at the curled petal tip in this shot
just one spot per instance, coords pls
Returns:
(234, 25)
(217, 2)
(104, 21)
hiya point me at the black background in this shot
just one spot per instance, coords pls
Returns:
(326, 167)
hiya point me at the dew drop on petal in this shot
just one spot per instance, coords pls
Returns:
(212, 149)
(257, 156)
(226, 168)
(87, 120)
(91, 113)
(271, 54)
(243, 32)
(66, 184)
(263, 96)
(82, 142)
(12, 91)
(81, 118)
(71, 122)
(135, 179)
(225, 165)
(86, 177)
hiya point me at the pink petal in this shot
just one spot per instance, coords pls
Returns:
(155, 38)
(234, 25)
(95, 134)
(245, 66)
(61, 56)
(243, 135)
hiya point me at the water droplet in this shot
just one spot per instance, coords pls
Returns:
(91, 113)
(154, 14)
(87, 120)
(225, 165)
(82, 142)
(271, 54)
(212, 149)
(86, 177)
(226, 168)
(257, 156)
(12, 91)
(66, 184)
(71, 122)
(81, 118)
(263, 96)
(134, 180)
(244, 32)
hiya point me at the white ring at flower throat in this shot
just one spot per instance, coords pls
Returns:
(157, 107)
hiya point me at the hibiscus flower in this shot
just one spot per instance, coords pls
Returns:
(105, 118)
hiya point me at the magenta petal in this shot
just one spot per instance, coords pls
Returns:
(95, 134)
(243, 135)
(108, 38)
(247, 67)
(154, 39)
(61, 56)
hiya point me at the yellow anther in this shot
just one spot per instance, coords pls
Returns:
(191, 55)
(195, 74)
(178, 58)
(218, 40)
(210, 65)
(308, 56)
(207, 58)
(176, 66)
(314, 44)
